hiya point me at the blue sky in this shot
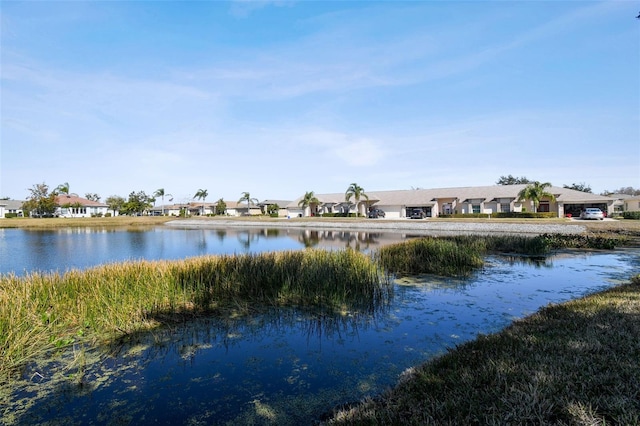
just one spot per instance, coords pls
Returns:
(277, 98)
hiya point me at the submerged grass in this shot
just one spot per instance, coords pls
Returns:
(40, 312)
(569, 364)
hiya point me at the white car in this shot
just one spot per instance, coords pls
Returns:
(592, 214)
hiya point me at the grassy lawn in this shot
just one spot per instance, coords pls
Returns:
(613, 225)
(571, 364)
(84, 221)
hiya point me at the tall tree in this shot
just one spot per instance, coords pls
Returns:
(63, 188)
(579, 187)
(247, 197)
(221, 207)
(535, 192)
(115, 203)
(628, 190)
(40, 203)
(309, 200)
(138, 203)
(356, 192)
(201, 194)
(160, 193)
(510, 180)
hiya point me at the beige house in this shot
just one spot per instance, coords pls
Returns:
(632, 204)
(463, 200)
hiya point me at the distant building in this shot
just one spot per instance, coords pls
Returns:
(463, 200)
(11, 208)
(71, 205)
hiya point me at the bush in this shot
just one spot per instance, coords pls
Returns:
(10, 215)
(526, 215)
(341, 215)
(631, 215)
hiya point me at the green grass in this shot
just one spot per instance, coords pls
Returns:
(41, 312)
(461, 255)
(570, 364)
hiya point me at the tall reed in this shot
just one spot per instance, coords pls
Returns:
(432, 255)
(39, 312)
(461, 254)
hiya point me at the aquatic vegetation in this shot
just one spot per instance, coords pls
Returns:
(462, 254)
(42, 312)
(432, 255)
(554, 367)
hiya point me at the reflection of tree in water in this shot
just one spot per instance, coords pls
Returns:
(221, 233)
(361, 240)
(535, 261)
(247, 237)
(309, 238)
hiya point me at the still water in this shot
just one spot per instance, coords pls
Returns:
(24, 250)
(291, 366)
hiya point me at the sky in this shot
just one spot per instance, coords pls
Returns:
(278, 98)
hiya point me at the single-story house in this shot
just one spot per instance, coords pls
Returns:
(11, 207)
(170, 209)
(462, 200)
(632, 204)
(281, 205)
(71, 205)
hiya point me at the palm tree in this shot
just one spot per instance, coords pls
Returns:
(160, 193)
(356, 192)
(247, 197)
(308, 200)
(63, 188)
(201, 194)
(535, 191)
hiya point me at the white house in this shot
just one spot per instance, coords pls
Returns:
(463, 200)
(71, 205)
(12, 207)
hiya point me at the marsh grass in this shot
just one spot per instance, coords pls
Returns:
(42, 312)
(461, 255)
(569, 364)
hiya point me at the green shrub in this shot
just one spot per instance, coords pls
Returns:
(631, 215)
(526, 215)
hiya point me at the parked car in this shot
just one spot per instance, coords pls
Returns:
(376, 213)
(592, 213)
(417, 214)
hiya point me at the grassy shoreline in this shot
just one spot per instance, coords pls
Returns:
(574, 363)
(554, 367)
(42, 312)
(128, 221)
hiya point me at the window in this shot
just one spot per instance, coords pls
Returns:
(505, 208)
(475, 208)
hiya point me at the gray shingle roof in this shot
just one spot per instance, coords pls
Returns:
(425, 197)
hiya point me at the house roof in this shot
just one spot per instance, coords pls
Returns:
(64, 199)
(12, 204)
(280, 203)
(425, 197)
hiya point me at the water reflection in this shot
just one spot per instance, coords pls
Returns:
(62, 249)
(292, 366)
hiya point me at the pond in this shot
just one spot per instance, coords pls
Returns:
(291, 366)
(24, 250)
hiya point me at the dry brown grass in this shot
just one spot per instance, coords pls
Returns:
(28, 222)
